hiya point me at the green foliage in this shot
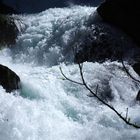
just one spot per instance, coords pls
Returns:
(8, 30)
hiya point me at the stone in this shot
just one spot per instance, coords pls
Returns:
(113, 34)
(4, 9)
(9, 80)
(123, 14)
(136, 68)
(8, 30)
(138, 96)
(105, 42)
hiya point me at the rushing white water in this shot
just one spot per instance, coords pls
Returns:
(51, 108)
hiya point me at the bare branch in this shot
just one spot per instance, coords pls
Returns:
(69, 78)
(127, 121)
(126, 114)
(128, 72)
(97, 89)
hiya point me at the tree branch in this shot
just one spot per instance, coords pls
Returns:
(129, 73)
(127, 121)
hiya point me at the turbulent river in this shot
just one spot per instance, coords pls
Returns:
(48, 107)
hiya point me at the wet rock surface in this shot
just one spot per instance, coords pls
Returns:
(9, 80)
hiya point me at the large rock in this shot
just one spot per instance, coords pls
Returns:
(123, 14)
(4, 9)
(136, 68)
(8, 30)
(8, 79)
(138, 96)
(105, 42)
(114, 33)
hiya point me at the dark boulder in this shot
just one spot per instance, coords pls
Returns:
(138, 96)
(114, 33)
(123, 14)
(136, 68)
(8, 30)
(9, 79)
(105, 42)
(4, 9)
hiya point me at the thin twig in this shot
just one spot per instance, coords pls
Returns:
(129, 73)
(127, 121)
(111, 107)
(126, 114)
(69, 78)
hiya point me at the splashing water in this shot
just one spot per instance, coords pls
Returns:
(50, 107)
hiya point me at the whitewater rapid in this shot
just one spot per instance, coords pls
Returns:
(48, 107)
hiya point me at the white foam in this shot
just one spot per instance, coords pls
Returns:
(50, 107)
